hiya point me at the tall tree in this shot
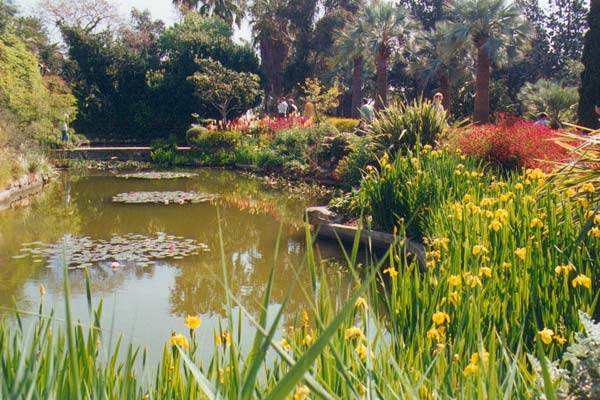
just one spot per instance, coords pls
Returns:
(226, 90)
(231, 11)
(435, 59)
(87, 15)
(566, 27)
(589, 92)
(270, 32)
(427, 12)
(390, 29)
(498, 33)
(351, 43)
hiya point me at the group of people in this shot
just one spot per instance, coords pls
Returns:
(286, 108)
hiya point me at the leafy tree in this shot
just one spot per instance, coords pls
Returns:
(558, 101)
(589, 91)
(226, 90)
(566, 26)
(37, 103)
(196, 37)
(497, 32)
(390, 29)
(324, 99)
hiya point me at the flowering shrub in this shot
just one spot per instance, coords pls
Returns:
(512, 144)
(256, 126)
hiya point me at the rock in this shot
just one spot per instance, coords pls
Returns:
(319, 215)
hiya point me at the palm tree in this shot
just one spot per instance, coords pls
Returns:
(435, 59)
(390, 29)
(350, 42)
(270, 32)
(499, 33)
(229, 10)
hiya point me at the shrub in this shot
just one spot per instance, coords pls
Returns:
(193, 134)
(269, 160)
(337, 146)
(164, 153)
(302, 144)
(214, 141)
(511, 144)
(363, 152)
(343, 124)
(550, 97)
(246, 153)
(402, 125)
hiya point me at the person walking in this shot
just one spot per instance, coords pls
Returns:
(367, 114)
(64, 127)
(292, 108)
(282, 108)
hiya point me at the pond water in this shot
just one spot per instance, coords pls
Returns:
(147, 303)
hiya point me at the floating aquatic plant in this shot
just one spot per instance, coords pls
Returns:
(177, 197)
(157, 175)
(122, 250)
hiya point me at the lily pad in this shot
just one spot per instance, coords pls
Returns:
(177, 197)
(130, 249)
(157, 175)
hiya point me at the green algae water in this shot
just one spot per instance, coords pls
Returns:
(146, 300)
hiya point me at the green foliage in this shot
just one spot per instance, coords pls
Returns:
(165, 153)
(402, 125)
(193, 134)
(216, 140)
(270, 160)
(363, 152)
(550, 97)
(324, 99)
(225, 89)
(405, 191)
(343, 124)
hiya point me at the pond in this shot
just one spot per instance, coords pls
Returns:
(146, 300)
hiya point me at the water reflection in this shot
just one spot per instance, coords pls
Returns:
(149, 302)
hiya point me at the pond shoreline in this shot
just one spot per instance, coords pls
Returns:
(25, 186)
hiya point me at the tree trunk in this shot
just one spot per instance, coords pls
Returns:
(481, 114)
(381, 83)
(357, 74)
(445, 89)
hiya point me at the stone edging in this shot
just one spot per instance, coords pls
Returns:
(21, 188)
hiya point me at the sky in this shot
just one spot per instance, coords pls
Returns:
(160, 9)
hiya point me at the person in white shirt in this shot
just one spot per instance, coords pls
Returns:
(282, 107)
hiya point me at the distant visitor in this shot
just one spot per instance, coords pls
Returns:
(437, 101)
(64, 127)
